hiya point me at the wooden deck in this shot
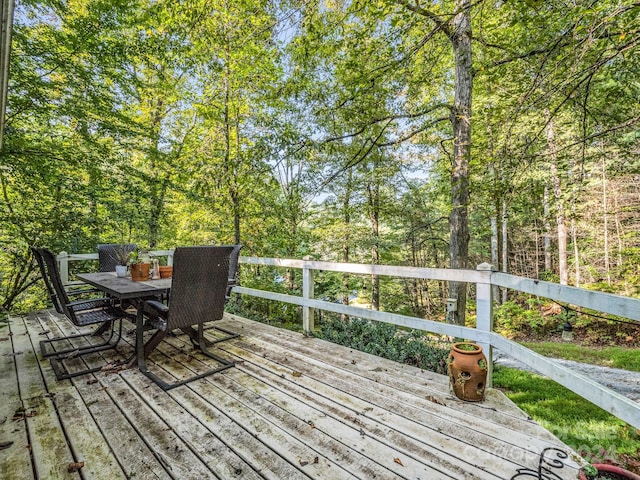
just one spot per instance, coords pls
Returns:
(292, 408)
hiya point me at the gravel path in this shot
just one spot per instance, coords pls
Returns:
(625, 382)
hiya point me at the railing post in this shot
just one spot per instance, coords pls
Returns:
(484, 319)
(63, 266)
(307, 293)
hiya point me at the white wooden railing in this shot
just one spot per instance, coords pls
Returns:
(484, 278)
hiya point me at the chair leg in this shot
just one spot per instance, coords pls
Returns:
(203, 348)
(142, 352)
(193, 336)
(106, 345)
(60, 369)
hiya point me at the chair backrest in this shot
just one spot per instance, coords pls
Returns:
(52, 272)
(108, 254)
(198, 285)
(46, 278)
(233, 263)
(233, 268)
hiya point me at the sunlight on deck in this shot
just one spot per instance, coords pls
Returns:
(293, 408)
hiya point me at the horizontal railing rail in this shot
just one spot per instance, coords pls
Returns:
(484, 279)
(64, 258)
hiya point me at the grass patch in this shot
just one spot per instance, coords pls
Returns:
(617, 357)
(595, 434)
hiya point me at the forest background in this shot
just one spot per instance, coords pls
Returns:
(437, 134)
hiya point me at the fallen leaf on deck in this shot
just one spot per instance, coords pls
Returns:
(311, 424)
(398, 461)
(4, 339)
(21, 414)
(113, 367)
(45, 332)
(316, 459)
(434, 400)
(75, 466)
(4, 445)
(303, 463)
(92, 381)
(296, 374)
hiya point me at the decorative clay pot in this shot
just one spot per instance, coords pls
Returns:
(467, 371)
(140, 272)
(166, 272)
(611, 472)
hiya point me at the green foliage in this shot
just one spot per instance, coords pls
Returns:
(388, 341)
(592, 432)
(617, 357)
(523, 316)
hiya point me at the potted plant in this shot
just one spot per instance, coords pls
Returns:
(122, 261)
(467, 368)
(139, 265)
(604, 470)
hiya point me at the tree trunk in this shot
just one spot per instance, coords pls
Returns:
(346, 212)
(548, 264)
(157, 184)
(461, 122)
(563, 269)
(605, 208)
(576, 251)
(458, 30)
(373, 191)
(505, 248)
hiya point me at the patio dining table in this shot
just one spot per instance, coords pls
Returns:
(125, 289)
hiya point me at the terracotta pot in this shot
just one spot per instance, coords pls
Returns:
(166, 272)
(140, 272)
(611, 472)
(467, 367)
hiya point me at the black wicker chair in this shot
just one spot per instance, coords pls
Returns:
(234, 259)
(198, 293)
(108, 254)
(53, 296)
(232, 282)
(96, 311)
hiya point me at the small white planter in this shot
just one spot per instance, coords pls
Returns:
(121, 270)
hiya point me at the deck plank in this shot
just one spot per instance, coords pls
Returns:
(203, 427)
(387, 377)
(346, 429)
(256, 419)
(77, 420)
(15, 458)
(293, 408)
(136, 458)
(47, 441)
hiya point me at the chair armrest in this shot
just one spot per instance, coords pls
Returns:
(80, 292)
(81, 305)
(156, 308)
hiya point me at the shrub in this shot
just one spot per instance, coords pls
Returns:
(408, 346)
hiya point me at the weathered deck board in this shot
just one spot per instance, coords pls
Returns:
(46, 437)
(78, 423)
(15, 457)
(293, 408)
